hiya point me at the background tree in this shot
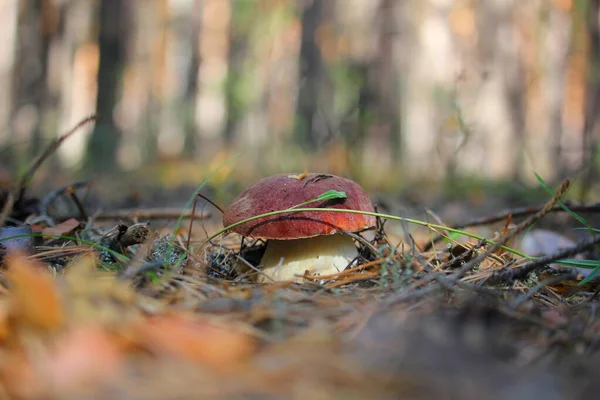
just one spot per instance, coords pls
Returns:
(591, 130)
(310, 72)
(112, 42)
(40, 20)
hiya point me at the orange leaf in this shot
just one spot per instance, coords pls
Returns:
(35, 299)
(4, 322)
(19, 377)
(84, 356)
(62, 228)
(196, 341)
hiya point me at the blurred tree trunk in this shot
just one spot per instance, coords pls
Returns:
(364, 112)
(557, 71)
(387, 74)
(191, 89)
(8, 30)
(591, 130)
(238, 46)
(514, 91)
(112, 38)
(505, 146)
(38, 20)
(310, 68)
(379, 118)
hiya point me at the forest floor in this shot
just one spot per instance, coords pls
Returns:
(109, 306)
(118, 300)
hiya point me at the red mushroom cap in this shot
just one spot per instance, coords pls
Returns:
(283, 191)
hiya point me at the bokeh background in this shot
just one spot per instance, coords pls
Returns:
(392, 93)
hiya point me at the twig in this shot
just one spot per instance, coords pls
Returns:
(52, 147)
(362, 241)
(515, 231)
(215, 205)
(522, 271)
(18, 193)
(346, 272)
(516, 213)
(135, 234)
(149, 213)
(492, 249)
(353, 279)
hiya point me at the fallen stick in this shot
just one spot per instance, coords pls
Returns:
(150, 213)
(516, 213)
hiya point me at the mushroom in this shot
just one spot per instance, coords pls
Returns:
(313, 241)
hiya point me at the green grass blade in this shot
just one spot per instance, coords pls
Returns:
(561, 204)
(591, 276)
(328, 195)
(375, 214)
(577, 217)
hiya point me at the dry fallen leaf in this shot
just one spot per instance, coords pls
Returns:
(34, 296)
(299, 176)
(86, 356)
(4, 321)
(19, 378)
(195, 341)
(61, 229)
(83, 359)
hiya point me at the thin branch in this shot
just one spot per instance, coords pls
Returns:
(149, 213)
(515, 231)
(516, 213)
(19, 191)
(52, 147)
(452, 279)
(522, 271)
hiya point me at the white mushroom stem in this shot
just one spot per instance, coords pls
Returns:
(287, 260)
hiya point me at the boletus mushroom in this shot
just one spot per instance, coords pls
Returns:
(298, 242)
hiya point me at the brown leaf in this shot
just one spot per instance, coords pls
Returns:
(35, 299)
(195, 341)
(19, 378)
(85, 356)
(4, 321)
(61, 229)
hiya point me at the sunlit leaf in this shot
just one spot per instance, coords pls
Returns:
(4, 321)
(62, 228)
(84, 356)
(35, 298)
(195, 341)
